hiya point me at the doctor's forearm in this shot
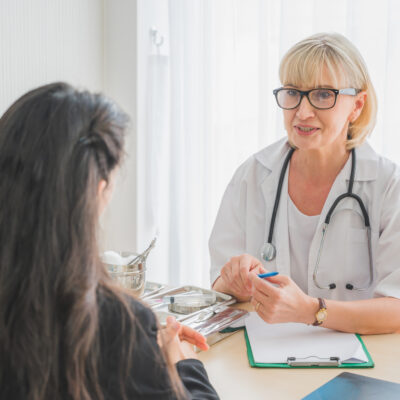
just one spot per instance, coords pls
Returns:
(373, 316)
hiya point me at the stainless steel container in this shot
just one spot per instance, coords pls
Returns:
(131, 275)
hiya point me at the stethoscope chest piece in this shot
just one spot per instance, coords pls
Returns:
(268, 251)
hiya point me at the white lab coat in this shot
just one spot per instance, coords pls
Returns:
(244, 216)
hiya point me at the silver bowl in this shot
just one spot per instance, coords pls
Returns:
(131, 276)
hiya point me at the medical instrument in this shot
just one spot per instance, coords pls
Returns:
(268, 250)
(189, 300)
(151, 288)
(182, 312)
(189, 303)
(268, 274)
(143, 256)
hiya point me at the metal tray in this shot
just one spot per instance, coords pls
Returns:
(151, 288)
(223, 318)
(162, 311)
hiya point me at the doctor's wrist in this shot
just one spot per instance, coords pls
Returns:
(311, 309)
(219, 285)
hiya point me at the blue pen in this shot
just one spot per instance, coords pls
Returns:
(268, 274)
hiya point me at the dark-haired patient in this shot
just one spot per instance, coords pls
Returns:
(66, 330)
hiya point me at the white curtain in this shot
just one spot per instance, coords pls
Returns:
(209, 105)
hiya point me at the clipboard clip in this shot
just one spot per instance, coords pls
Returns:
(313, 361)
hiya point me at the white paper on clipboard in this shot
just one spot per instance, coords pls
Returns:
(274, 343)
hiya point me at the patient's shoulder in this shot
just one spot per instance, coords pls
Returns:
(116, 312)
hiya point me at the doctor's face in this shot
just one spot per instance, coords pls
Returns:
(310, 128)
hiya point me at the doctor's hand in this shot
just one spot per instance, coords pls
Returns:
(283, 303)
(234, 278)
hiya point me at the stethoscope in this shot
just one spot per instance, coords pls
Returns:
(268, 250)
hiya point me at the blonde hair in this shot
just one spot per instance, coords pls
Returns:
(308, 60)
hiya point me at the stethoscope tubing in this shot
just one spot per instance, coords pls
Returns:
(269, 251)
(278, 194)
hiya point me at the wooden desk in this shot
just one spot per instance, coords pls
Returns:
(229, 371)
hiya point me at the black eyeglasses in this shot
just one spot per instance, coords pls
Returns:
(321, 98)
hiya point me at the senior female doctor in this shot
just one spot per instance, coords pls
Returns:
(320, 207)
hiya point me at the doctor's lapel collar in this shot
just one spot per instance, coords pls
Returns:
(269, 189)
(366, 163)
(273, 157)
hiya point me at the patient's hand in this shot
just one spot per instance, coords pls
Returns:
(178, 340)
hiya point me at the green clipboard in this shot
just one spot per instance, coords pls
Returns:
(368, 364)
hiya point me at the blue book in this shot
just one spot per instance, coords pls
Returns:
(347, 386)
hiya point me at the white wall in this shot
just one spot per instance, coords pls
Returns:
(43, 41)
(119, 221)
(88, 43)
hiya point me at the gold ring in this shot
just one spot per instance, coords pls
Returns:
(257, 305)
